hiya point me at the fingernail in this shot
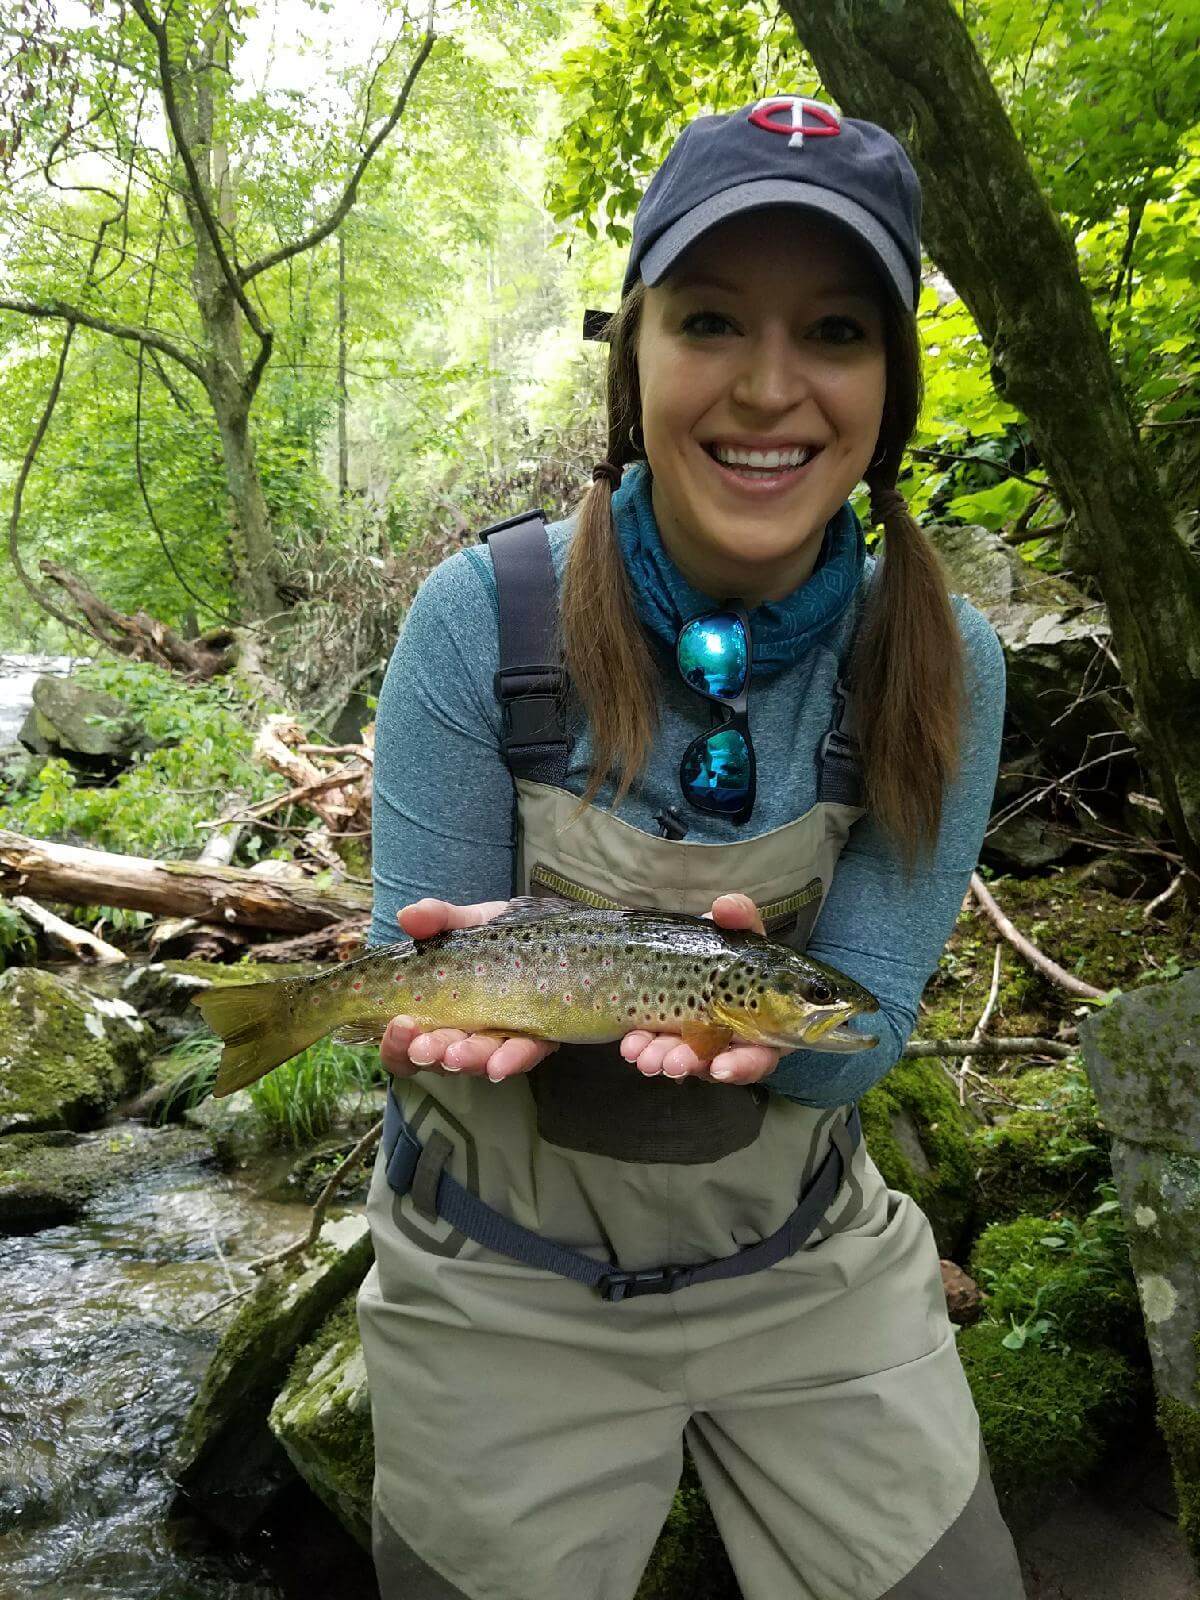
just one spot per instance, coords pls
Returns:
(496, 1077)
(650, 1072)
(419, 1052)
(449, 1067)
(724, 1070)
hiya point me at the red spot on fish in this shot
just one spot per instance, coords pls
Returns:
(562, 961)
(441, 972)
(517, 962)
(587, 983)
(399, 978)
(566, 999)
(418, 997)
(614, 997)
(356, 985)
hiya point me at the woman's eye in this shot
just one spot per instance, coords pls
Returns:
(840, 330)
(689, 323)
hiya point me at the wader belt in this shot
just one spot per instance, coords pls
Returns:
(420, 1169)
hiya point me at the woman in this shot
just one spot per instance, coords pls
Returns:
(579, 1265)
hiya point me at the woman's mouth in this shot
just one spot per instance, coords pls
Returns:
(759, 472)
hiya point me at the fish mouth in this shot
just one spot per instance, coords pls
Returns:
(836, 1036)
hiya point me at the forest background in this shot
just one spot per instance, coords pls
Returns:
(418, 370)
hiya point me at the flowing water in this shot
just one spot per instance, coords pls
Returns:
(100, 1357)
(18, 674)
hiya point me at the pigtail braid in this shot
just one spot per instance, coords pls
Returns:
(907, 673)
(603, 646)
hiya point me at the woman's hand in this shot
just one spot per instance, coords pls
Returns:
(666, 1053)
(405, 1050)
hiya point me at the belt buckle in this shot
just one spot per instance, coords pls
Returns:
(618, 1286)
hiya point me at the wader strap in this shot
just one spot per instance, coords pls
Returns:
(403, 1153)
(839, 776)
(530, 676)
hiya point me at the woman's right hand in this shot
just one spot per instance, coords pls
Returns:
(405, 1050)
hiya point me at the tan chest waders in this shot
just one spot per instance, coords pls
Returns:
(579, 1268)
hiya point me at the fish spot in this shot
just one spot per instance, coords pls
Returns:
(418, 997)
(613, 998)
(566, 999)
(632, 1012)
(542, 985)
(691, 1000)
(596, 1005)
(587, 982)
(454, 994)
(517, 963)
(356, 985)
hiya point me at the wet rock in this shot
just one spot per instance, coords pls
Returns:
(228, 1463)
(48, 1178)
(66, 1056)
(1027, 843)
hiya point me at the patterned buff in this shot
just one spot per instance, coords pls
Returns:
(783, 630)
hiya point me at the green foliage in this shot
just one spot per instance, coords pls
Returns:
(1045, 1416)
(210, 732)
(1059, 1282)
(17, 941)
(1049, 1154)
(296, 1103)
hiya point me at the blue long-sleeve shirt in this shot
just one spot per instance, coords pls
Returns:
(444, 815)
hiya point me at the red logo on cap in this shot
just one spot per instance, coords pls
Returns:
(806, 118)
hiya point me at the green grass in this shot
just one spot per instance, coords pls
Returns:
(296, 1103)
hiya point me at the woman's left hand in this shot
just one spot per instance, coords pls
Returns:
(666, 1053)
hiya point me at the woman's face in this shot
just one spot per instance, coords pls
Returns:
(768, 333)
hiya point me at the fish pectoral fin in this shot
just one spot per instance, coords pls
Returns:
(532, 908)
(358, 1033)
(707, 1039)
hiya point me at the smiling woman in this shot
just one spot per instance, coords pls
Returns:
(579, 1263)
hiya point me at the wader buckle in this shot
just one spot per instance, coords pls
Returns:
(655, 1280)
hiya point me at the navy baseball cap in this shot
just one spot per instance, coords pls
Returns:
(785, 150)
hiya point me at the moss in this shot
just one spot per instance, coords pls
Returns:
(918, 1138)
(1076, 1276)
(323, 1419)
(1049, 1155)
(64, 1058)
(1180, 1424)
(49, 1178)
(1046, 1415)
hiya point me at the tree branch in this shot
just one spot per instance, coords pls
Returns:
(338, 214)
(119, 330)
(158, 33)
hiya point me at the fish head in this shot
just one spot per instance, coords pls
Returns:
(779, 998)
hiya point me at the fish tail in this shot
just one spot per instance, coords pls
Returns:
(260, 1028)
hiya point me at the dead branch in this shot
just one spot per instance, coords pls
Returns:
(367, 1143)
(990, 1047)
(1029, 950)
(980, 1027)
(142, 636)
(221, 895)
(76, 940)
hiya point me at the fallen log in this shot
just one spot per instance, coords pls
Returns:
(68, 873)
(78, 941)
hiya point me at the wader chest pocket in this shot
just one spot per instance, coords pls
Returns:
(590, 1099)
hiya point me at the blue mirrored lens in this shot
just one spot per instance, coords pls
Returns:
(715, 773)
(713, 655)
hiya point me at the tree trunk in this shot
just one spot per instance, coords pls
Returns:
(343, 471)
(251, 539)
(225, 895)
(910, 65)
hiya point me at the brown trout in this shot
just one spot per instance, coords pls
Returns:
(551, 969)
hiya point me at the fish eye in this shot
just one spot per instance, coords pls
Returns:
(821, 990)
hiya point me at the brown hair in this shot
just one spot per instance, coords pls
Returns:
(906, 669)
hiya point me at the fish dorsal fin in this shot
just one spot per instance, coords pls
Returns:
(533, 908)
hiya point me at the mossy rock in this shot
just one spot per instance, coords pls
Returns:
(1048, 1156)
(322, 1418)
(48, 1178)
(919, 1137)
(1078, 1276)
(1046, 1415)
(66, 1056)
(227, 1461)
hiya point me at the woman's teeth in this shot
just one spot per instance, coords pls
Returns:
(761, 463)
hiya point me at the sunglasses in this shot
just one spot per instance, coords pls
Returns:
(717, 772)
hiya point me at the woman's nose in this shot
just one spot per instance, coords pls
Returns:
(774, 376)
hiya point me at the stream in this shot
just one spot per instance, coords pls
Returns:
(100, 1357)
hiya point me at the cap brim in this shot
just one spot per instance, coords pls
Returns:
(666, 250)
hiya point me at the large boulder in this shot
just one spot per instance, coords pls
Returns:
(1055, 640)
(93, 731)
(227, 1462)
(66, 1056)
